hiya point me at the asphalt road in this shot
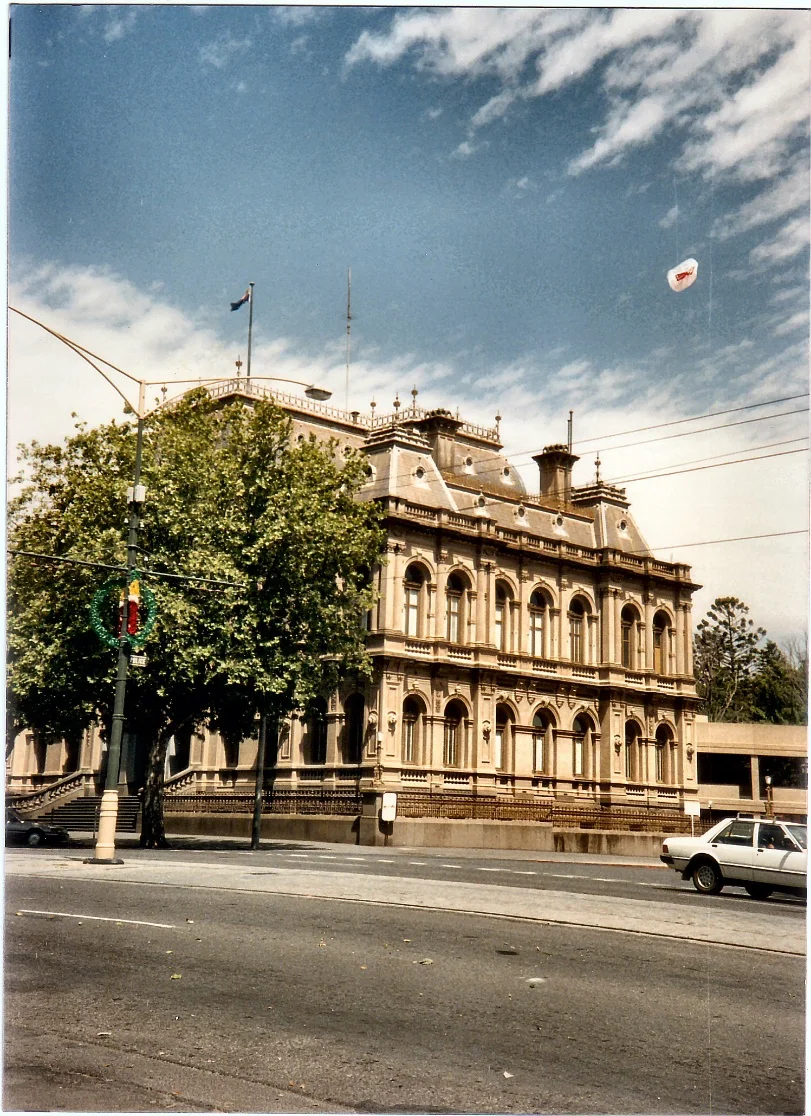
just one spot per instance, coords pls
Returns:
(621, 877)
(203, 998)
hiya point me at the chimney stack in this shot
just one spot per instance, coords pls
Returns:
(555, 466)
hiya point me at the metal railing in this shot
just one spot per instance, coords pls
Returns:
(344, 803)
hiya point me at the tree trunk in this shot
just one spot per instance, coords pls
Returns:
(153, 835)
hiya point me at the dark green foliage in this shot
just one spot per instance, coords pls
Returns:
(740, 680)
(229, 497)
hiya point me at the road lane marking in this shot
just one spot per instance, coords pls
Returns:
(489, 869)
(384, 860)
(362, 858)
(519, 872)
(450, 866)
(100, 918)
(420, 862)
(564, 876)
(305, 855)
(605, 879)
(327, 856)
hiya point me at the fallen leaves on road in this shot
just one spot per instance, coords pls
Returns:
(425, 961)
(406, 939)
(104, 1034)
(175, 976)
(533, 981)
(506, 1074)
(509, 951)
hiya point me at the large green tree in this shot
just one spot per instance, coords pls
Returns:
(741, 678)
(230, 497)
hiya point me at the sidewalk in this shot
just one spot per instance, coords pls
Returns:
(191, 842)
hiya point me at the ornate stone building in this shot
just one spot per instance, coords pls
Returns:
(527, 646)
(524, 645)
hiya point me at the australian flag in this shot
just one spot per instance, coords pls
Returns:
(245, 298)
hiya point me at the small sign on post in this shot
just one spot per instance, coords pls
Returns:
(388, 807)
(693, 811)
(138, 660)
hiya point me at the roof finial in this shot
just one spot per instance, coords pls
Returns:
(238, 363)
(397, 402)
(163, 393)
(597, 468)
(414, 394)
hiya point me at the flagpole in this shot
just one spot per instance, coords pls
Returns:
(250, 330)
(348, 328)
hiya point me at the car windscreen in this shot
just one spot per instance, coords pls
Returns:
(800, 834)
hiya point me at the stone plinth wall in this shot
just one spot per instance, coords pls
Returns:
(421, 833)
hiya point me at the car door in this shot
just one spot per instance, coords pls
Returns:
(779, 862)
(734, 849)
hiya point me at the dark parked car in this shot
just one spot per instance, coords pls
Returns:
(22, 831)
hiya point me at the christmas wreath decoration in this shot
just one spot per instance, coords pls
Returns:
(131, 595)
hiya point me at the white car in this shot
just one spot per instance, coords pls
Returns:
(761, 855)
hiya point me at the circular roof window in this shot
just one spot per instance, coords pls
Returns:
(468, 462)
(419, 473)
(558, 520)
(480, 502)
(522, 511)
(623, 526)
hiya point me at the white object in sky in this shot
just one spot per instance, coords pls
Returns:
(683, 276)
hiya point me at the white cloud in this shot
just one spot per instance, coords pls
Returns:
(465, 149)
(670, 218)
(789, 193)
(732, 84)
(295, 15)
(117, 25)
(789, 325)
(220, 52)
(791, 239)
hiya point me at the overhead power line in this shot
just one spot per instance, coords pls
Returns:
(716, 465)
(715, 542)
(696, 418)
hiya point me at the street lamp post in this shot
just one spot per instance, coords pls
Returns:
(108, 812)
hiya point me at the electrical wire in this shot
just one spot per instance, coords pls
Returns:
(716, 465)
(715, 542)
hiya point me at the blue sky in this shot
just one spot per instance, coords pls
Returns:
(509, 188)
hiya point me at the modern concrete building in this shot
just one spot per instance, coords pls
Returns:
(752, 768)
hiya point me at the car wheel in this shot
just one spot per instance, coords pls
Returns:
(34, 838)
(758, 891)
(707, 878)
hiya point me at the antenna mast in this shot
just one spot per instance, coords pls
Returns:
(348, 328)
(570, 430)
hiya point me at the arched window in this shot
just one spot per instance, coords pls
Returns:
(664, 755)
(412, 729)
(582, 748)
(456, 608)
(630, 628)
(538, 614)
(414, 587)
(542, 741)
(503, 742)
(633, 752)
(578, 630)
(662, 643)
(316, 751)
(503, 620)
(455, 714)
(354, 709)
